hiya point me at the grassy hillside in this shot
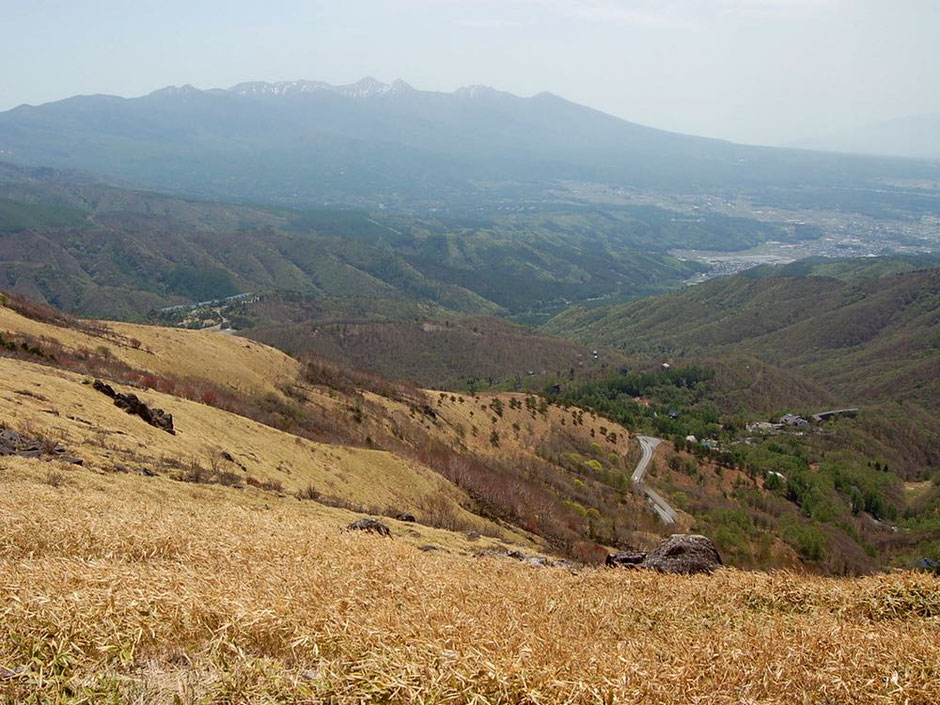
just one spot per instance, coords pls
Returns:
(211, 565)
(126, 589)
(516, 469)
(538, 468)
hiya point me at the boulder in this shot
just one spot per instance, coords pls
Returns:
(105, 389)
(371, 525)
(410, 518)
(683, 553)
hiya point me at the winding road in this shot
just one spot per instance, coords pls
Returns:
(660, 506)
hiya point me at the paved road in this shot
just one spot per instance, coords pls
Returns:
(660, 506)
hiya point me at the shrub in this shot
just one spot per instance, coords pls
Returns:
(309, 493)
(808, 541)
(54, 478)
(229, 478)
(272, 486)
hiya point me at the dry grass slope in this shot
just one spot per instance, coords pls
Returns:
(223, 359)
(57, 405)
(116, 589)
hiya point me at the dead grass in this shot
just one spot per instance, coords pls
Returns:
(229, 361)
(105, 436)
(119, 589)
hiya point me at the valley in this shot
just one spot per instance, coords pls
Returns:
(335, 393)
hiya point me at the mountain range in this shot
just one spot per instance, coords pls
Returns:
(369, 143)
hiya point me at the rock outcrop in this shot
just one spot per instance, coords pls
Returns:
(13, 443)
(132, 405)
(371, 525)
(680, 553)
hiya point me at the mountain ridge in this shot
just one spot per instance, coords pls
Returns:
(310, 142)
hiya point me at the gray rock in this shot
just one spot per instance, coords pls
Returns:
(371, 525)
(684, 553)
(132, 405)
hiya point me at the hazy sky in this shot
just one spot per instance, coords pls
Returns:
(766, 71)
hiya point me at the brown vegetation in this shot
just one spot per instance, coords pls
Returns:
(122, 591)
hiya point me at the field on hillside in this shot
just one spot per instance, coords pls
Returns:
(118, 588)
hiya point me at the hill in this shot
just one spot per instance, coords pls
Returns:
(764, 344)
(112, 251)
(212, 563)
(505, 465)
(371, 144)
(425, 345)
(872, 338)
(514, 465)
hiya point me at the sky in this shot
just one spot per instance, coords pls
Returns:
(756, 71)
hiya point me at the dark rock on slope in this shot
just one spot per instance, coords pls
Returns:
(680, 553)
(132, 405)
(13, 443)
(371, 525)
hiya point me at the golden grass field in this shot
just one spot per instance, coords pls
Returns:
(117, 588)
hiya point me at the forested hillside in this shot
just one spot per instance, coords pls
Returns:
(874, 338)
(100, 249)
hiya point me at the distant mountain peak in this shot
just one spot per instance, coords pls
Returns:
(364, 88)
(184, 90)
(367, 87)
(259, 88)
(476, 91)
(400, 86)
